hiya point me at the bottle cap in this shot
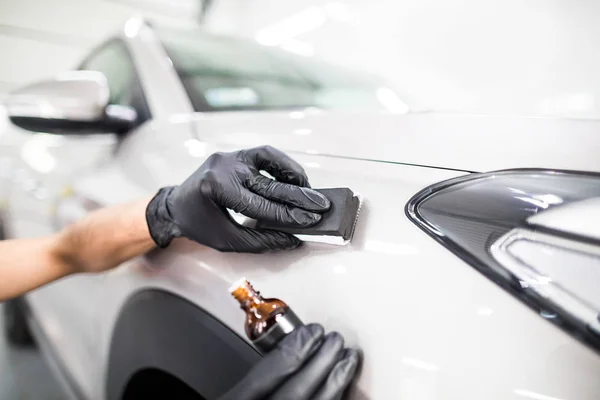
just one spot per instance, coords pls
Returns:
(240, 282)
(286, 323)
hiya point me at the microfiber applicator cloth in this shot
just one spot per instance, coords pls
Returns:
(338, 221)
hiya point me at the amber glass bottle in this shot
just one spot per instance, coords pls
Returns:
(267, 320)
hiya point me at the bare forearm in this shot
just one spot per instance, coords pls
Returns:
(102, 240)
(105, 239)
(26, 264)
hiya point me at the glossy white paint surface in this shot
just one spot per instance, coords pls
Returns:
(160, 78)
(430, 326)
(466, 142)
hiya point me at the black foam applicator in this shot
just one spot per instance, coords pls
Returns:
(338, 222)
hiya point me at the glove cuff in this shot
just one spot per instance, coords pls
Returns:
(160, 222)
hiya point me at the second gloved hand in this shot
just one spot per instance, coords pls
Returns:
(197, 209)
(306, 364)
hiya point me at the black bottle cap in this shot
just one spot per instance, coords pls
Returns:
(285, 324)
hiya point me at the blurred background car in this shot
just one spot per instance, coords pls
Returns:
(498, 316)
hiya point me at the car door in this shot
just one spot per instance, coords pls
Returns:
(43, 200)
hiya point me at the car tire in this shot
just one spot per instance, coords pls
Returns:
(15, 323)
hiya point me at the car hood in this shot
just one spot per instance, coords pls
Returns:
(462, 142)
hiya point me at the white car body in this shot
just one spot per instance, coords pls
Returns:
(430, 326)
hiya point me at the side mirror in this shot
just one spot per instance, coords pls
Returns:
(74, 102)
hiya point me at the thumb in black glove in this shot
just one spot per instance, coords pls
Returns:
(197, 209)
(306, 364)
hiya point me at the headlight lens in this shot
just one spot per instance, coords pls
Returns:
(533, 232)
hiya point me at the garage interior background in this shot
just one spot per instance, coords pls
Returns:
(399, 40)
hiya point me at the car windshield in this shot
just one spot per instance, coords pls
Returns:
(226, 74)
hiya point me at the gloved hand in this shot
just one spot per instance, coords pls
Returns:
(197, 208)
(306, 364)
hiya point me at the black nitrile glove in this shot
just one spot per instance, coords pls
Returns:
(197, 208)
(306, 364)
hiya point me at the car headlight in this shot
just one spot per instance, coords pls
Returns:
(536, 233)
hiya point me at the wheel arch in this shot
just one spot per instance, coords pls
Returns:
(159, 330)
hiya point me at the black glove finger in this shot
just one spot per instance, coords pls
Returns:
(298, 196)
(278, 164)
(254, 206)
(303, 384)
(289, 356)
(340, 377)
(248, 240)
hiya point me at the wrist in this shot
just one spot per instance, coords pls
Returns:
(161, 226)
(61, 256)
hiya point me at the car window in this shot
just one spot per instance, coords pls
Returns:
(114, 61)
(223, 73)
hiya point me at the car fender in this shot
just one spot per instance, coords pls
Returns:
(159, 330)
